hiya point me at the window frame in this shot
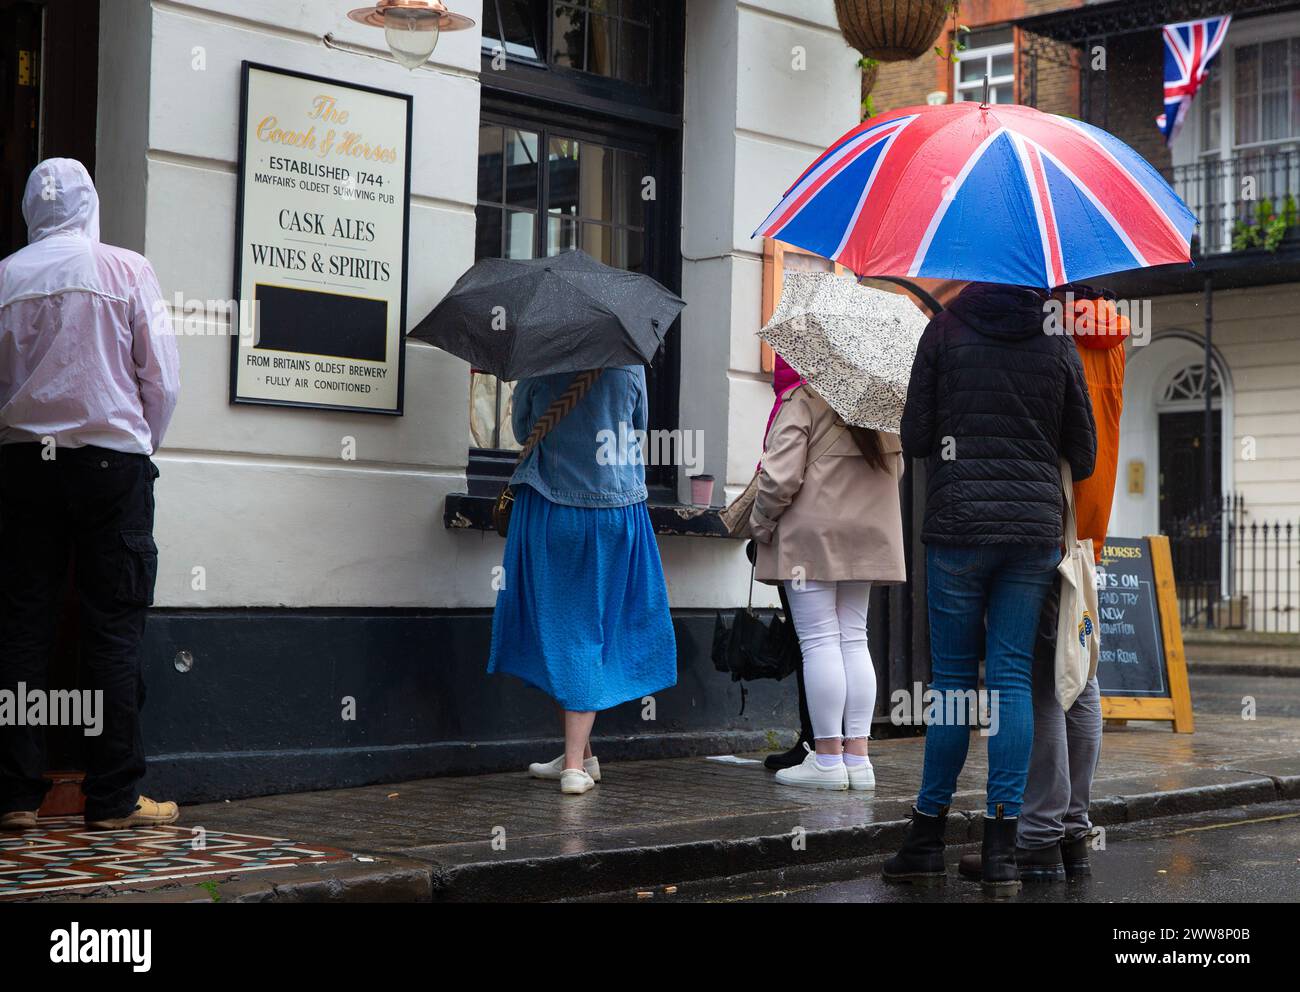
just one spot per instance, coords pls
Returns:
(536, 96)
(988, 53)
(1228, 96)
(658, 104)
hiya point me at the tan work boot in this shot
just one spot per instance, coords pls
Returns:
(19, 819)
(147, 813)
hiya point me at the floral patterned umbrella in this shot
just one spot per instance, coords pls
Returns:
(853, 344)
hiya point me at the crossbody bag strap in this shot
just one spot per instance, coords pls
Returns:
(560, 407)
(781, 397)
(823, 444)
(826, 441)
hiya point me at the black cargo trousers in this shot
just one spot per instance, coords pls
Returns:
(93, 507)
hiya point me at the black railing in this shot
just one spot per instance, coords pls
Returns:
(1247, 201)
(1233, 572)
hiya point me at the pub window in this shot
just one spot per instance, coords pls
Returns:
(605, 37)
(585, 194)
(610, 38)
(579, 147)
(517, 26)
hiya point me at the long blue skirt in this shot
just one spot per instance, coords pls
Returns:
(583, 615)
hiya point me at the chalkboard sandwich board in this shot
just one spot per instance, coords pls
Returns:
(1141, 671)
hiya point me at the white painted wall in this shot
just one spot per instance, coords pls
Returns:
(1257, 335)
(768, 87)
(1148, 371)
(258, 496)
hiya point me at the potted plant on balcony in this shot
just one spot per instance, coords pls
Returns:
(1266, 229)
(892, 30)
(1292, 234)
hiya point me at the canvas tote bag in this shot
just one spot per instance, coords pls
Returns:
(1077, 636)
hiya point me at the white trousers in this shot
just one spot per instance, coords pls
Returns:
(839, 679)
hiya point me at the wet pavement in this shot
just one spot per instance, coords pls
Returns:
(1242, 855)
(509, 837)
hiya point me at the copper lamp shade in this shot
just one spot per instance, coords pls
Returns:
(447, 20)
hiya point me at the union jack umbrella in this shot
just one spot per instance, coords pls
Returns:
(998, 193)
(1189, 48)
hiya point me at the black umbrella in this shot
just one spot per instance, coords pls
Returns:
(518, 318)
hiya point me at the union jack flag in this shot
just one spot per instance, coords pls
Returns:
(1189, 48)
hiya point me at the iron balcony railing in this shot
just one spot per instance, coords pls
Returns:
(1246, 201)
(1235, 572)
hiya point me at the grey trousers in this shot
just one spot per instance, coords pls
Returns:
(1067, 744)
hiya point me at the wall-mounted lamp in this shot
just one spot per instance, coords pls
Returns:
(411, 27)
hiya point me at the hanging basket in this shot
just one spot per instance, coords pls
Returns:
(891, 30)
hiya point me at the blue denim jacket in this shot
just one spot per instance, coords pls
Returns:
(591, 457)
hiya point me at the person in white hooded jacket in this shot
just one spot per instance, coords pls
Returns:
(89, 376)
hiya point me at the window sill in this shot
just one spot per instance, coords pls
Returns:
(463, 511)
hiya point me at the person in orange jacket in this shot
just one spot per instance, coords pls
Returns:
(1052, 837)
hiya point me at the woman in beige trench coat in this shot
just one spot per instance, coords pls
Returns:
(828, 524)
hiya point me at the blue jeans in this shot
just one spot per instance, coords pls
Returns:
(1005, 583)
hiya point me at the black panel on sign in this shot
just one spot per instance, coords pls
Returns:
(312, 323)
(1132, 660)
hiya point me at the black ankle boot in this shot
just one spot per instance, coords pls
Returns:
(788, 759)
(920, 859)
(1042, 864)
(1074, 853)
(998, 871)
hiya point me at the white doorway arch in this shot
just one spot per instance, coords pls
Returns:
(1164, 376)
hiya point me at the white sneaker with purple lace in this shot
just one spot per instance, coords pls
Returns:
(811, 775)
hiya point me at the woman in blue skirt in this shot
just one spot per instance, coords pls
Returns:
(583, 613)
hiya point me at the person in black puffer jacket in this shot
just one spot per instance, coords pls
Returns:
(995, 403)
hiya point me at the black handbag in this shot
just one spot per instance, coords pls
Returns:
(748, 645)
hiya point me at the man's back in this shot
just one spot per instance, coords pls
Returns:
(88, 360)
(86, 353)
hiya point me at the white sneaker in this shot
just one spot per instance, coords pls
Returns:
(552, 769)
(810, 775)
(574, 782)
(862, 778)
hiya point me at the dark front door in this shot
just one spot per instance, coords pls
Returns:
(1182, 465)
(49, 80)
(49, 72)
(20, 101)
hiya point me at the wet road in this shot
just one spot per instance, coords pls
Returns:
(1227, 694)
(1246, 854)
(1252, 856)
(1242, 854)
